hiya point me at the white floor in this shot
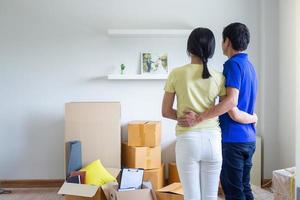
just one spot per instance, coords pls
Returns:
(259, 194)
(51, 194)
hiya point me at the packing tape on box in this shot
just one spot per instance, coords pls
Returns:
(148, 156)
(148, 152)
(149, 163)
(292, 183)
(292, 186)
(141, 135)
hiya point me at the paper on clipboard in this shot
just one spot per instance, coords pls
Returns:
(131, 179)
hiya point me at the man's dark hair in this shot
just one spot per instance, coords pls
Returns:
(238, 34)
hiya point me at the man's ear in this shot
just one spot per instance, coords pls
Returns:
(227, 43)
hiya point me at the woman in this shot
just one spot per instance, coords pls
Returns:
(198, 148)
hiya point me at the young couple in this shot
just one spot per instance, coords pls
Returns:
(207, 146)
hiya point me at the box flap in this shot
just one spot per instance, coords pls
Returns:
(174, 188)
(78, 190)
(107, 188)
(139, 194)
(288, 172)
(113, 171)
(111, 192)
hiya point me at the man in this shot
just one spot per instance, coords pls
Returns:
(238, 139)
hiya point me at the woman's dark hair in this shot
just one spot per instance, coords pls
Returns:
(238, 34)
(202, 43)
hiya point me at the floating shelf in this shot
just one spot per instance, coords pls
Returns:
(162, 33)
(137, 77)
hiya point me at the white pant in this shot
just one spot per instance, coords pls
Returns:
(199, 161)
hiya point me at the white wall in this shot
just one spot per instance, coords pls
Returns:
(268, 94)
(287, 82)
(298, 95)
(278, 72)
(52, 52)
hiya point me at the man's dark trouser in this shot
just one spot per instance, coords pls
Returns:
(235, 174)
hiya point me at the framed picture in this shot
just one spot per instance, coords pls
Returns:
(153, 63)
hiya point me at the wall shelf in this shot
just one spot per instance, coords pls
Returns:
(148, 33)
(137, 77)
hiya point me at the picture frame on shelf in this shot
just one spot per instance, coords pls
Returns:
(154, 63)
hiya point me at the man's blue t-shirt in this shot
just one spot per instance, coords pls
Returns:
(240, 74)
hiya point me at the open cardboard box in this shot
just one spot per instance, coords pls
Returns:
(146, 193)
(106, 192)
(170, 192)
(74, 191)
(85, 192)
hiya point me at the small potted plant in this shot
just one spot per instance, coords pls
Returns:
(122, 68)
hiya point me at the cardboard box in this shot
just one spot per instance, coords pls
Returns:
(144, 133)
(141, 157)
(173, 173)
(156, 177)
(92, 123)
(142, 194)
(73, 191)
(283, 184)
(170, 192)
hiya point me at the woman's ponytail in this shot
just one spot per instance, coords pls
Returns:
(205, 73)
(202, 43)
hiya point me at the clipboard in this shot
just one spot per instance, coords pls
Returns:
(131, 179)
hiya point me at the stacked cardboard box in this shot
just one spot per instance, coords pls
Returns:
(283, 184)
(174, 177)
(156, 176)
(143, 150)
(170, 192)
(173, 173)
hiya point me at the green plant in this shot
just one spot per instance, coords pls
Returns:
(122, 68)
